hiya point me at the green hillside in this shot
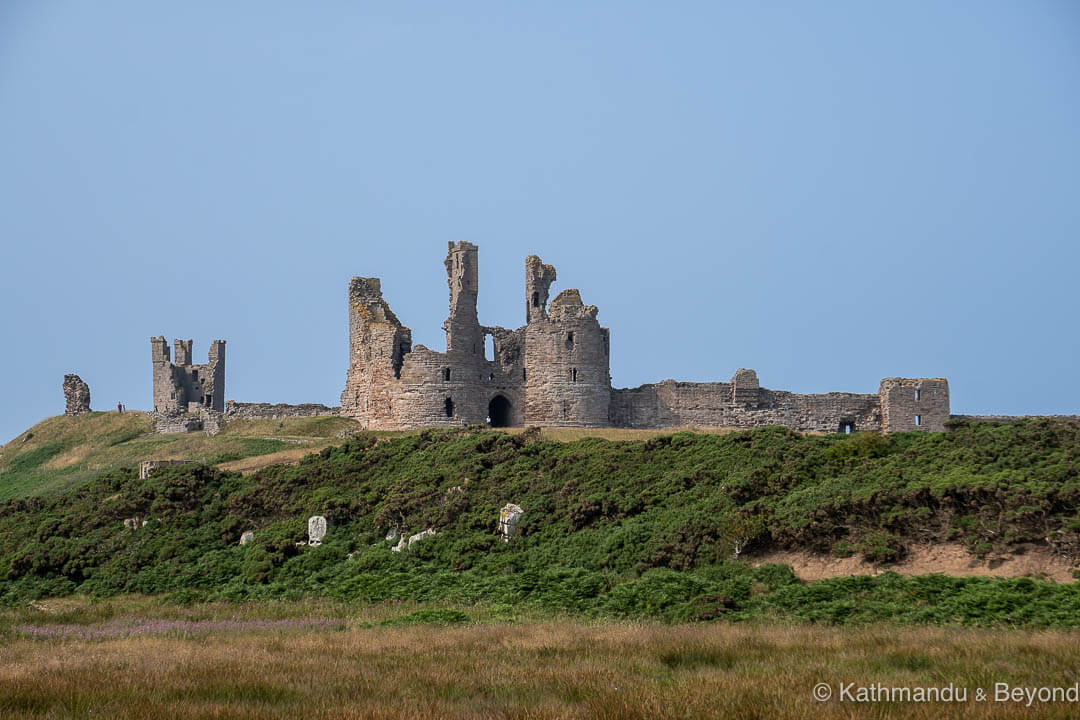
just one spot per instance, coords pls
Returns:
(625, 528)
(62, 452)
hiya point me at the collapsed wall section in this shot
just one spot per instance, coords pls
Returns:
(276, 411)
(741, 403)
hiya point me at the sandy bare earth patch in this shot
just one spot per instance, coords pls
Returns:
(945, 558)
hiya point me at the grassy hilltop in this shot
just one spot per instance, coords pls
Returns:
(638, 529)
(62, 452)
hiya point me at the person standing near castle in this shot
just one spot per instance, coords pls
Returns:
(120, 408)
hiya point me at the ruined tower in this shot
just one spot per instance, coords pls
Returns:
(567, 370)
(179, 385)
(378, 343)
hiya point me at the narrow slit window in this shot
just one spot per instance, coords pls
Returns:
(536, 299)
(918, 420)
(573, 374)
(448, 406)
(446, 374)
(916, 396)
(522, 373)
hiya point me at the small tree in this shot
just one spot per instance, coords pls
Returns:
(742, 531)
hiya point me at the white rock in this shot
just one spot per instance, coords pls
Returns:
(316, 529)
(247, 537)
(421, 535)
(400, 545)
(393, 534)
(508, 521)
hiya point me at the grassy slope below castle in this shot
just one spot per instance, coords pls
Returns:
(627, 529)
(63, 452)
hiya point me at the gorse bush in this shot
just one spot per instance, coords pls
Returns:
(630, 528)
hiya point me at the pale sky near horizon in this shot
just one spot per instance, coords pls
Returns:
(829, 192)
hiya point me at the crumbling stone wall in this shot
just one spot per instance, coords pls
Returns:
(735, 404)
(266, 411)
(76, 395)
(555, 371)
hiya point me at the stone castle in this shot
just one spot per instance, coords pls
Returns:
(555, 371)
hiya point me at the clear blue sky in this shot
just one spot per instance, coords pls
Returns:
(827, 192)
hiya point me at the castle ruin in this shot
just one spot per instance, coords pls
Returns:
(555, 371)
(187, 396)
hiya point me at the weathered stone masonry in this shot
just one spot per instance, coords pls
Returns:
(179, 384)
(76, 395)
(555, 371)
(187, 397)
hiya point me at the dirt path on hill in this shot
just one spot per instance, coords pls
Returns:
(946, 558)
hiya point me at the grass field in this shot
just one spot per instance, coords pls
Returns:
(493, 665)
(63, 452)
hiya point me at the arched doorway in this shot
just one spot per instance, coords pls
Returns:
(499, 411)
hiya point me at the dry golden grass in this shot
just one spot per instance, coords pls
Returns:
(292, 456)
(563, 669)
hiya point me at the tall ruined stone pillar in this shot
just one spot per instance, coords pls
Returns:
(214, 385)
(76, 395)
(538, 279)
(167, 392)
(464, 337)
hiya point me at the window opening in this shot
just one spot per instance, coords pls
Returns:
(918, 420)
(573, 374)
(916, 396)
(536, 299)
(448, 406)
(446, 374)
